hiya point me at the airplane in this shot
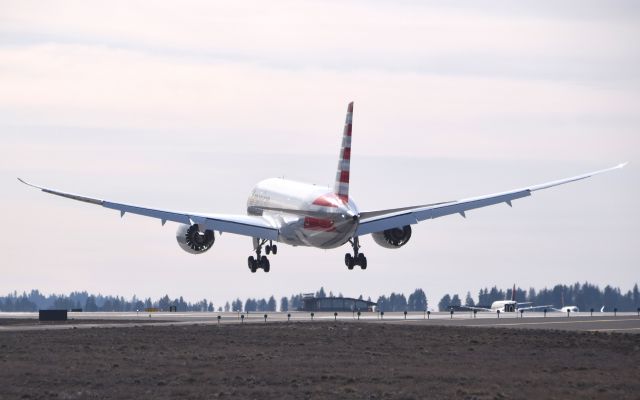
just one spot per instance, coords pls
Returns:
(302, 214)
(507, 305)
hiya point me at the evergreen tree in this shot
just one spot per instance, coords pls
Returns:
(250, 305)
(271, 304)
(468, 301)
(383, 304)
(90, 305)
(417, 301)
(284, 304)
(227, 306)
(397, 302)
(236, 306)
(455, 301)
(445, 303)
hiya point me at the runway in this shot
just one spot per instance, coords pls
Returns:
(598, 322)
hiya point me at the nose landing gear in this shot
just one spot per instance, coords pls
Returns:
(357, 258)
(260, 261)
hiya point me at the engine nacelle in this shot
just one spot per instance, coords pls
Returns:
(393, 238)
(192, 241)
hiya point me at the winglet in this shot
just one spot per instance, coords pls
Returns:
(29, 184)
(341, 187)
(63, 194)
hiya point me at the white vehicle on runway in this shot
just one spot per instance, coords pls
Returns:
(301, 214)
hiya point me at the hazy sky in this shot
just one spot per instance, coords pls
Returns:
(186, 105)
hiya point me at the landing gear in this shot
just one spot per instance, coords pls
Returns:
(260, 261)
(271, 248)
(357, 258)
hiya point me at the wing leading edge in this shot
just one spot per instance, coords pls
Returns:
(377, 221)
(247, 225)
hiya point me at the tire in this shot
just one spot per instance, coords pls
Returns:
(267, 249)
(274, 249)
(362, 261)
(266, 266)
(250, 261)
(348, 259)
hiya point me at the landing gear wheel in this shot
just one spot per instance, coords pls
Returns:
(357, 258)
(260, 261)
(361, 260)
(253, 264)
(264, 264)
(349, 261)
(274, 249)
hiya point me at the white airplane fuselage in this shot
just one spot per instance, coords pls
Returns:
(504, 306)
(314, 216)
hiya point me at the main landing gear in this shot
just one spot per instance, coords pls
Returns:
(260, 261)
(357, 258)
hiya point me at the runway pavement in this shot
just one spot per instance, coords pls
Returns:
(601, 322)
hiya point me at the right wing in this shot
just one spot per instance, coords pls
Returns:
(535, 308)
(472, 308)
(246, 225)
(378, 221)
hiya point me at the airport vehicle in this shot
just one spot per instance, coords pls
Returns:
(508, 305)
(301, 214)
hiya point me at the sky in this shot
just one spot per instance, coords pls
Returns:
(185, 106)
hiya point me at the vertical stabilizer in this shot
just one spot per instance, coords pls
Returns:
(341, 187)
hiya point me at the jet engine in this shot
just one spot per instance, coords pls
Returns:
(393, 238)
(191, 240)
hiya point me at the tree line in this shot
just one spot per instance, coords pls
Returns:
(34, 301)
(585, 296)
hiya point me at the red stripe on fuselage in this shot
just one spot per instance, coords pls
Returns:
(327, 200)
(344, 176)
(318, 224)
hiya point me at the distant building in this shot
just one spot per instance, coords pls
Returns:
(319, 304)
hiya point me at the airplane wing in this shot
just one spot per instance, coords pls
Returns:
(548, 306)
(377, 221)
(247, 225)
(472, 308)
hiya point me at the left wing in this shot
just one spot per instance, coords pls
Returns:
(473, 308)
(377, 221)
(247, 225)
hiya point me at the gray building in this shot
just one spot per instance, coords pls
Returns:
(319, 304)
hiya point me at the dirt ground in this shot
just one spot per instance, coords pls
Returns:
(317, 360)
